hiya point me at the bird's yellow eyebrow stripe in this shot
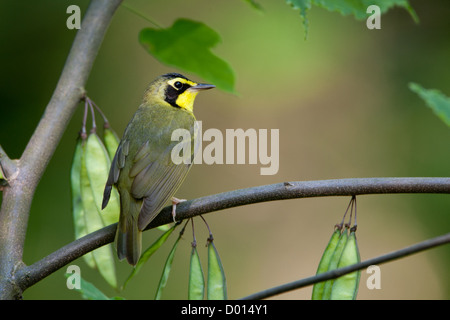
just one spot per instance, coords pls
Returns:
(172, 82)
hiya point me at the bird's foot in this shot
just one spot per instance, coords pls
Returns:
(175, 201)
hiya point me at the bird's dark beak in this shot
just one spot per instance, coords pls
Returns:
(201, 87)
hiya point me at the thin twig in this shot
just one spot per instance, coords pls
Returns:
(94, 125)
(207, 226)
(105, 120)
(350, 205)
(194, 240)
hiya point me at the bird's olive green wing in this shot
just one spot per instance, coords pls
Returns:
(155, 180)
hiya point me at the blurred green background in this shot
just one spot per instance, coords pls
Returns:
(341, 103)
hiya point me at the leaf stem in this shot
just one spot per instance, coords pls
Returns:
(136, 12)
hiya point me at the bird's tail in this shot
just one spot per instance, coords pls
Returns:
(128, 236)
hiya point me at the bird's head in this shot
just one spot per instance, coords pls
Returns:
(176, 90)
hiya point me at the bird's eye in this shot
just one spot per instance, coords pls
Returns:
(178, 85)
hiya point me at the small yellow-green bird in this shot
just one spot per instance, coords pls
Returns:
(142, 168)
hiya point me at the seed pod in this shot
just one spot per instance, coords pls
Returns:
(334, 263)
(97, 166)
(111, 141)
(149, 252)
(77, 204)
(166, 271)
(103, 256)
(217, 285)
(196, 289)
(324, 263)
(346, 287)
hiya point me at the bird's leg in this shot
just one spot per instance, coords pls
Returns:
(175, 201)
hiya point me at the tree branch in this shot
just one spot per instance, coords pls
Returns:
(37, 154)
(29, 275)
(333, 274)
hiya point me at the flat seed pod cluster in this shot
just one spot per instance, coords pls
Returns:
(216, 283)
(89, 172)
(341, 251)
(346, 287)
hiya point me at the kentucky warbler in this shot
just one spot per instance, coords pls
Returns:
(142, 168)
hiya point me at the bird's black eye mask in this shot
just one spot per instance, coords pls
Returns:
(172, 92)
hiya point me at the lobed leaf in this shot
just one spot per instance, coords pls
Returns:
(187, 45)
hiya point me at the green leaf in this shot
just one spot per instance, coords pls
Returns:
(303, 6)
(196, 289)
(357, 8)
(434, 99)
(149, 252)
(166, 270)
(187, 45)
(90, 292)
(217, 284)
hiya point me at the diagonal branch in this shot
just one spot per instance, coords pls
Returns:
(29, 275)
(17, 197)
